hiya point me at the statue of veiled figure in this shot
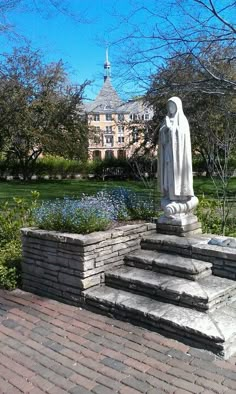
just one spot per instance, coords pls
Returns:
(175, 164)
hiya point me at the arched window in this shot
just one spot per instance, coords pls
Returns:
(121, 154)
(109, 154)
(96, 155)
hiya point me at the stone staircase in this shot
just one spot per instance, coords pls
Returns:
(166, 287)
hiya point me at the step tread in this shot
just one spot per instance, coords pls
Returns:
(183, 242)
(169, 261)
(194, 323)
(206, 289)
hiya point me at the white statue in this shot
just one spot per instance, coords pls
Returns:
(175, 163)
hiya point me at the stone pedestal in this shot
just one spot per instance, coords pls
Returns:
(181, 225)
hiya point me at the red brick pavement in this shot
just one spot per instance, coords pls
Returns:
(49, 347)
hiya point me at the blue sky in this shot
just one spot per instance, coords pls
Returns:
(80, 45)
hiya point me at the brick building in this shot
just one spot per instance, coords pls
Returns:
(114, 124)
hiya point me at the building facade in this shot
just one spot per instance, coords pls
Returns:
(115, 126)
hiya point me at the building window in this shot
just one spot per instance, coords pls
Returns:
(121, 139)
(96, 155)
(109, 139)
(121, 129)
(146, 116)
(96, 117)
(97, 129)
(109, 129)
(108, 116)
(109, 154)
(135, 134)
(121, 117)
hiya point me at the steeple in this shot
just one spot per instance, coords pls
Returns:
(107, 67)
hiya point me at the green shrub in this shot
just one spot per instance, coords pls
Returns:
(199, 165)
(209, 214)
(52, 166)
(10, 265)
(12, 218)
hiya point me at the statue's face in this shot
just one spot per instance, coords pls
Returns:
(171, 108)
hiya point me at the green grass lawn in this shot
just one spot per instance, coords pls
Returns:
(75, 188)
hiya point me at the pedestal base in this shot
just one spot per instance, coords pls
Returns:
(181, 225)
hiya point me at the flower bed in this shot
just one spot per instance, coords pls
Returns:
(79, 240)
(93, 213)
(63, 265)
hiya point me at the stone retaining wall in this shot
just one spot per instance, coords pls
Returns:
(223, 259)
(62, 265)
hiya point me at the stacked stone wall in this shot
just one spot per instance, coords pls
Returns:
(62, 265)
(223, 259)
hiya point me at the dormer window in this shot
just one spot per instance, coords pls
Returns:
(108, 116)
(121, 117)
(96, 117)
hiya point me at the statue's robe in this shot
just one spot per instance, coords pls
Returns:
(175, 157)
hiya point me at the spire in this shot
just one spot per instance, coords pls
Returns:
(107, 67)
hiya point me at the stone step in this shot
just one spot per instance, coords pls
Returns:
(202, 330)
(171, 264)
(174, 244)
(208, 293)
(223, 258)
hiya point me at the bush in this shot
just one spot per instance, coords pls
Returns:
(208, 212)
(111, 168)
(53, 166)
(199, 165)
(10, 265)
(11, 220)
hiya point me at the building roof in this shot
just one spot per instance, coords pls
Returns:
(107, 99)
(135, 106)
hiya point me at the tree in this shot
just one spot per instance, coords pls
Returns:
(39, 111)
(159, 33)
(212, 119)
(44, 8)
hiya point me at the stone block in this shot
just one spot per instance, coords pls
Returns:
(91, 281)
(33, 269)
(81, 266)
(123, 252)
(220, 252)
(69, 280)
(105, 257)
(118, 247)
(180, 230)
(104, 251)
(137, 230)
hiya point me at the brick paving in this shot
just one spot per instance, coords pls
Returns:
(49, 347)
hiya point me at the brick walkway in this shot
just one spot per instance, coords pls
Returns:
(49, 347)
